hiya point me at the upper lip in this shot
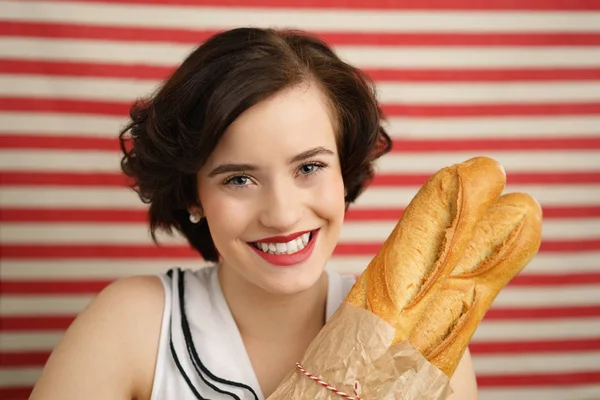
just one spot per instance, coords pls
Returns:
(283, 239)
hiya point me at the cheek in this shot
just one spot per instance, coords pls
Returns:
(227, 217)
(330, 197)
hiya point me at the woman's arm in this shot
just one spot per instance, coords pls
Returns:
(463, 381)
(109, 351)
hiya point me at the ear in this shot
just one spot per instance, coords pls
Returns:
(196, 214)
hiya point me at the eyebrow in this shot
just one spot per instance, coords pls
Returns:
(229, 168)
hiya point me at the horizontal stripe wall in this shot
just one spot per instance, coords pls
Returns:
(515, 80)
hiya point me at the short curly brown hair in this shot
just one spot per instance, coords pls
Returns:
(172, 133)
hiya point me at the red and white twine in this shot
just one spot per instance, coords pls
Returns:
(328, 386)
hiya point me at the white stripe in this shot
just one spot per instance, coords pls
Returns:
(509, 297)
(96, 268)
(60, 160)
(489, 127)
(414, 128)
(43, 305)
(419, 163)
(137, 233)
(548, 296)
(71, 197)
(515, 364)
(320, 19)
(374, 231)
(543, 329)
(121, 89)
(49, 124)
(486, 365)
(99, 268)
(29, 341)
(19, 376)
(488, 93)
(169, 54)
(562, 329)
(545, 392)
(547, 195)
(512, 161)
(109, 197)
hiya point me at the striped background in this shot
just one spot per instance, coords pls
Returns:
(515, 80)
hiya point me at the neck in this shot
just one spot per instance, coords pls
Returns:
(265, 316)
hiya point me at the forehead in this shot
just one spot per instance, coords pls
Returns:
(289, 122)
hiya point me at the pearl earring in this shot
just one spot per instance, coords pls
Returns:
(194, 218)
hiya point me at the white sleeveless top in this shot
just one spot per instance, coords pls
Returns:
(201, 354)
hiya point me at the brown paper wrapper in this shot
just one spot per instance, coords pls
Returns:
(354, 347)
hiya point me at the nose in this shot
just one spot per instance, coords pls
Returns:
(281, 208)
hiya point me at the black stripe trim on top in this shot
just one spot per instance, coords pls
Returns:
(198, 365)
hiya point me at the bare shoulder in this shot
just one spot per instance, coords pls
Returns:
(463, 382)
(109, 351)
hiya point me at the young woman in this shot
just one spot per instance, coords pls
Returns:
(253, 149)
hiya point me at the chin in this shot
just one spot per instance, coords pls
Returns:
(293, 280)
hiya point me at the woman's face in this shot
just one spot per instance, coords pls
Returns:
(272, 192)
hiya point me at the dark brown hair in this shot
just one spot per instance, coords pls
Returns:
(172, 133)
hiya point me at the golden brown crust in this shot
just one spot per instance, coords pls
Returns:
(427, 243)
(504, 242)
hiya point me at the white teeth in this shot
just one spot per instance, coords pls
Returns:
(290, 247)
(305, 237)
(281, 247)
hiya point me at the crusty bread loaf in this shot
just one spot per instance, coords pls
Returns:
(504, 242)
(427, 243)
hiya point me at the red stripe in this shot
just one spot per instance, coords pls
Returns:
(483, 381)
(23, 359)
(72, 215)
(75, 142)
(393, 214)
(89, 69)
(63, 179)
(543, 313)
(62, 322)
(132, 215)
(121, 109)
(35, 323)
(106, 179)
(480, 110)
(82, 142)
(591, 278)
(15, 392)
(191, 36)
(429, 5)
(548, 346)
(51, 287)
(66, 68)
(94, 286)
(494, 144)
(58, 251)
(552, 380)
(546, 178)
(484, 75)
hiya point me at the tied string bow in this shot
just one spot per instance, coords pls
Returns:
(329, 387)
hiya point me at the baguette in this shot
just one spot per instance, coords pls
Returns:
(504, 242)
(427, 243)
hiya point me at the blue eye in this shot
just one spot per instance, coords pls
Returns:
(308, 168)
(238, 180)
(311, 168)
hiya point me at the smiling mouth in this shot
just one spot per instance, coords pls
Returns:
(293, 246)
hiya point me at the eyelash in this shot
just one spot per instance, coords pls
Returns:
(319, 166)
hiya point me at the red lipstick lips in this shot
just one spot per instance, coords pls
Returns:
(287, 260)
